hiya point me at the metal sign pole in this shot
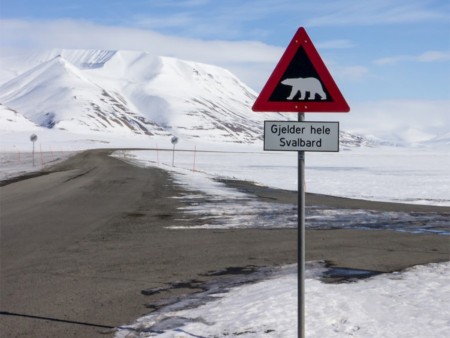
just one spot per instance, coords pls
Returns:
(33, 139)
(174, 141)
(301, 239)
(173, 155)
(33, 154)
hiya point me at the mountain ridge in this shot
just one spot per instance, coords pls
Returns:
(134, 91)
(131, 92)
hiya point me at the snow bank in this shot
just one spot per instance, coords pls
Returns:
(398, 305)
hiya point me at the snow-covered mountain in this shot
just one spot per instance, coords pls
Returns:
(12, 120)
(130, 92)
(439, 140)
(85, 91)
(352, 140)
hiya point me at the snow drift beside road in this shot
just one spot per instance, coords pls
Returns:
(409, 304)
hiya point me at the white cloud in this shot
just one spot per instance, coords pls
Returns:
(335, 44)
(233, 18)
(364, 13)
(351, 73)
(408, 120)
(230, 19)
(433, 56)
(430, 56)
(404, 120)
(71, 34)
(176, 20)
(85, 35)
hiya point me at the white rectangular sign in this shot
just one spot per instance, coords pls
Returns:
(301, 136)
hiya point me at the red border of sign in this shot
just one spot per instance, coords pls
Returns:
(262, 103)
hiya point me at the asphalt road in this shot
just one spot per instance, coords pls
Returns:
(79, 243)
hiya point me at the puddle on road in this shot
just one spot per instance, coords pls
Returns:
(345, 275)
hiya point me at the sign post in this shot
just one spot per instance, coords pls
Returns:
(301, 83)
(33, 138)
(301, 238)
(174, 141)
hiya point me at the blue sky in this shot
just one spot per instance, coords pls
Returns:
(387, 56)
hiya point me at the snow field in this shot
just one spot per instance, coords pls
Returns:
(408, 304)
(404, 175)
(19, 163)
(413, 303)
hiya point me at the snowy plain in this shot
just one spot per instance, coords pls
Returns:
(395, 174)
(412, 303)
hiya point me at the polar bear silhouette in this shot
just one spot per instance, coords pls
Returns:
(303, 85)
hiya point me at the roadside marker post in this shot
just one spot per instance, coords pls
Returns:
(301, 83)
(174, 141)
(33, 139)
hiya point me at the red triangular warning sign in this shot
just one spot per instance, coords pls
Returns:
(300, 82)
